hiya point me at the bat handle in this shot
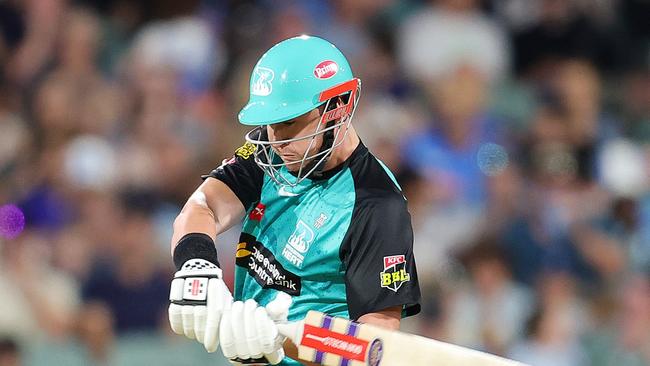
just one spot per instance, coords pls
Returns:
(291, 330)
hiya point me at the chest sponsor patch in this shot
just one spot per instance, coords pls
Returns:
(394, 274)
(262, 265)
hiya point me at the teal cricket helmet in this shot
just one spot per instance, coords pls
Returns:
(289, 79)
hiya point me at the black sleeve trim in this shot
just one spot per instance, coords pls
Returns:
(242, 176)
(377, 250)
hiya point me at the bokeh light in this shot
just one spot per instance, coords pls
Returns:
(12, 221)
(492, 158)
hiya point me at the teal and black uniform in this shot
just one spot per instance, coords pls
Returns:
(340, 244)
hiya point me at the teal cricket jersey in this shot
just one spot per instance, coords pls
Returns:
(341, 244)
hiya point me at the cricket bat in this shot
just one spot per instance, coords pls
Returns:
(334, 341)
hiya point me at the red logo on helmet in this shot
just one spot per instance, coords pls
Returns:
(326, 69)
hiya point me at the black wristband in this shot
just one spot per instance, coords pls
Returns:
(195, 245)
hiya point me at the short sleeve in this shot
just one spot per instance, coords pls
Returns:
(378, 257)
(242, 175)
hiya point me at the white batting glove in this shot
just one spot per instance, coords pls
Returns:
(198, 299)
(248, 332)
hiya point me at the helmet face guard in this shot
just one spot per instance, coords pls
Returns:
(332, 121)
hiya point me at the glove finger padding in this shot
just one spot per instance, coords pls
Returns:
(188, 321)
(200, 314)
(267, 330)
(275, 311)
(278, 309)
(226, 335)
(275, 357)
(176, 289)
(219, 298)
(249, 335)
(251, 329)
(176, 318)
(237, 316)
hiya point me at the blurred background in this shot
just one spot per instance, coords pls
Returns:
(519, 129)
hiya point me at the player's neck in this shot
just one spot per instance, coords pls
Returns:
(342, 152)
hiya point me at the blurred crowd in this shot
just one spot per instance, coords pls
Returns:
(519, 130)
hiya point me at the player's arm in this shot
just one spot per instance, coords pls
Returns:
(198, 295)
(381, 276)
(212, 209)
(388, 318)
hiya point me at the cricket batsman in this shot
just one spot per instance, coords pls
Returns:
(325, 224)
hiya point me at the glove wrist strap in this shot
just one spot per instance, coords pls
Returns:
(193, 246)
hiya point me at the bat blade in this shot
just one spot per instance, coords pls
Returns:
(334, 341)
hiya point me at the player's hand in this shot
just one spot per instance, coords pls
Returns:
(198, 299)
(249, 335)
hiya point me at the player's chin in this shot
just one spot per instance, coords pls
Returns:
(294, 168)
(292, 162)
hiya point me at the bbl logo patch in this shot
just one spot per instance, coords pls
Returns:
(394, 274)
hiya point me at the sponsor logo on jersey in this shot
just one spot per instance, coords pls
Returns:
(262, 265)
(246, 150)
(394, 274)
(285, 193)
(326, 69)
(298, 244)
(258, 212)
(262, 78)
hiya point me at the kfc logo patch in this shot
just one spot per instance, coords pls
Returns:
(394, 274)
(326, 69)
(393, 260)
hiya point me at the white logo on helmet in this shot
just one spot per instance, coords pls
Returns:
(326, 69)
(262, 78)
